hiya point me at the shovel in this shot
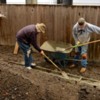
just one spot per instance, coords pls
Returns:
(62, 72)
(64, 49)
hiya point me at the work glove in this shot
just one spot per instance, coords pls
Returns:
(78, 42)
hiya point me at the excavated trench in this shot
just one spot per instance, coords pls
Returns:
(41, 83)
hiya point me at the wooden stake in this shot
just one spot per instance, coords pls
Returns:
(16, 48)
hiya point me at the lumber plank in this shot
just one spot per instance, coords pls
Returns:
(16, 48)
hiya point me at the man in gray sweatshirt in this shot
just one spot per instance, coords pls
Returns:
(82, 31)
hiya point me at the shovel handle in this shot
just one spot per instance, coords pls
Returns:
(88, 43)
(51, 61)
(75, 46)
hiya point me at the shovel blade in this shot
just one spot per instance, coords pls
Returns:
(65, 75)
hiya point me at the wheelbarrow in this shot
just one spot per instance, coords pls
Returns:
(51, 49)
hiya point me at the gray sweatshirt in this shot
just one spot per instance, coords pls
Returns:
(83, 35)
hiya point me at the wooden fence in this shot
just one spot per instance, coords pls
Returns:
(58, 18)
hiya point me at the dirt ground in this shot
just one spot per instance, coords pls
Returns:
(17, 83)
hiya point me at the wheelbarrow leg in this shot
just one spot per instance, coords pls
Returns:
(62, 63)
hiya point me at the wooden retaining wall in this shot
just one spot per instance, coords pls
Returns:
(58, 18)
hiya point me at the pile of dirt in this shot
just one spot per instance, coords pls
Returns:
(18, 83)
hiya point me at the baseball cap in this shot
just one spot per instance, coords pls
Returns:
(81, 21)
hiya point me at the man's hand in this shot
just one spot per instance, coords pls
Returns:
(78, 42)
(42, 52)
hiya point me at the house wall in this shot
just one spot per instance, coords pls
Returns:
(86, 2)
(15, 1)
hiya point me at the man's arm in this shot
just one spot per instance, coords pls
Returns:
(74, 33)
(33, 38)
(94, 28)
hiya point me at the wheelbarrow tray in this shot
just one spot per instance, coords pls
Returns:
(52, 46)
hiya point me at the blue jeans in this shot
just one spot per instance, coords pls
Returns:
(81, 50)
(27, 53)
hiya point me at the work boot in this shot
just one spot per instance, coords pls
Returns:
(33, 65)
(72, 66)
(82, 70)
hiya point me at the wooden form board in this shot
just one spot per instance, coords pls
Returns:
(16, 48)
